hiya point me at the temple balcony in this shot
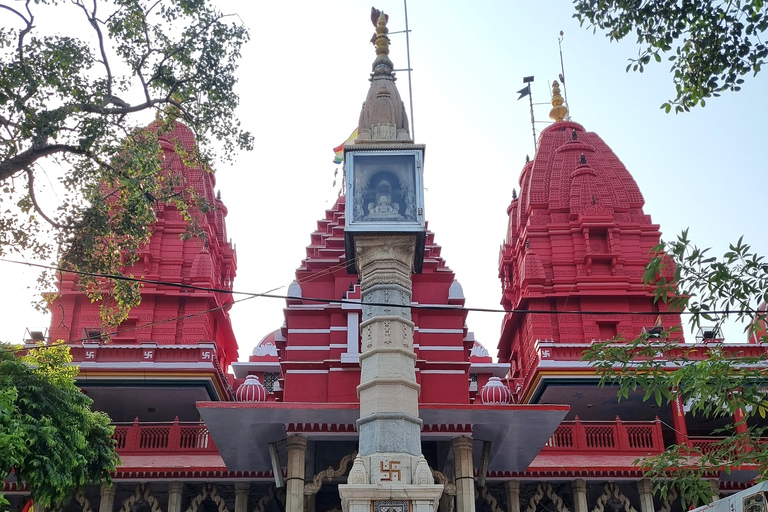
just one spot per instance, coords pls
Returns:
(163, 438)
(615, 437)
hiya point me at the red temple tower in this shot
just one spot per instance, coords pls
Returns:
(577, 244)
(178, 339)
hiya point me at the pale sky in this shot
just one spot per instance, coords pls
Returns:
(303, 78)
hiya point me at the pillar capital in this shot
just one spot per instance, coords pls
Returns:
(296, 442)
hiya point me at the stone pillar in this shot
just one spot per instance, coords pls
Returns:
(107, 502)
(389, 395)
(294, 484)
(241, 496)
(174, 496)
(390, 470)
(715, 490)
(580, 496)
(464, 474)
(513, 495)
(645, 489)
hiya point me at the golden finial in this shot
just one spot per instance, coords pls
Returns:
(382, 66)
(382, 40)
(558, 111)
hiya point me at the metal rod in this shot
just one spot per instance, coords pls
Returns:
(408, 53)
(533, 122)
(562, 76)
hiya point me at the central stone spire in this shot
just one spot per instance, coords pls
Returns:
(384, 236)
(383, 118)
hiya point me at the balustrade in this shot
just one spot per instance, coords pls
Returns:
(640, 437)
(163, 437)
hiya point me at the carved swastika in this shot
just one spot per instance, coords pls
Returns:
(391, 471)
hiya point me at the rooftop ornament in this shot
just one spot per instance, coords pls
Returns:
(495, 392)
(252, 390)
(558, 111)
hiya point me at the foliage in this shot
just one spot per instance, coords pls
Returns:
(713, 379)
(77, 103)
(711, 44)
(48, 434)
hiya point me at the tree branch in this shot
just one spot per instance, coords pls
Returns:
(26, 158)
(95, 24)
(31, 185)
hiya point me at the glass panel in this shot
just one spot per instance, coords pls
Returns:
(385, 188)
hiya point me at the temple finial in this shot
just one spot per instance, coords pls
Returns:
(382, 65)
(558, 111)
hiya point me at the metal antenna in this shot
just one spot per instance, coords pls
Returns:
(408, 53)
(562, 75)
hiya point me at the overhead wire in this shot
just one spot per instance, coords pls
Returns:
(320, 300)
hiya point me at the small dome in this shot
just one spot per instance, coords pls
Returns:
(495, 392)
(455, 291)
(252, 390)
(294, 290)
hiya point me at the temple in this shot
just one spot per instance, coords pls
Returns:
(373, 395)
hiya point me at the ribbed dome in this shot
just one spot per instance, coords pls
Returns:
(252, 390)
(495, 392)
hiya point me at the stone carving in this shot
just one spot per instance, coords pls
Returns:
(488, 497)
(208, 491)
(141, 494)
(84, 503)
(358, 475)
(545, 489)
(449, 487)
(611, 492)
(422, 475)
(671, 497)
(328, 474)
(391, 472)
(262, 503)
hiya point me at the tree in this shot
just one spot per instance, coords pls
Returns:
(78, 105)
(714, 380)
(712, 45)
(49, 436)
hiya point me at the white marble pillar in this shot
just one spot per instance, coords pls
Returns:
(513, 495)
(715, 490)
(389, 395)
(241, 496)
(645, 489)
(294, 483)
(464, 474)
(580, 496)
(174, 496)
(107, 501)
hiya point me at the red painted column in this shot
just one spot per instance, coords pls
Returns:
(678, 421)
(740, 423)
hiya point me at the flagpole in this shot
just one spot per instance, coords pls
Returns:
(527, 91)
(408, 53)
(533, 124)
(562, 76)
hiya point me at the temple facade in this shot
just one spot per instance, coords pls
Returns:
(374, 395)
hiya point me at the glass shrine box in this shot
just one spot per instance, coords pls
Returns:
(385, 194)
